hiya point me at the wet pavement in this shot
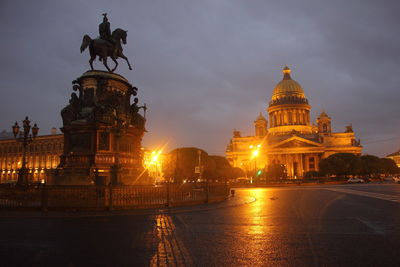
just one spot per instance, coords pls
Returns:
(335, 225)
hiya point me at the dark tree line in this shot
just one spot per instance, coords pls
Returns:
(180, 164)
(346, 164)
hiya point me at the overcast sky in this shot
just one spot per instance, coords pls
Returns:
(206, 67)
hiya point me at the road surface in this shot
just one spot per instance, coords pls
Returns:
(333, 225)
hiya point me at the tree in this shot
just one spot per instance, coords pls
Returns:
(341, 164)
(388, 166)
(276, 171)
(236, 172)
(180, 163)
(371, 165)
(311, 175)
(221, 169)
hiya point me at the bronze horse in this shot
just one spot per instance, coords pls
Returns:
(104, 49)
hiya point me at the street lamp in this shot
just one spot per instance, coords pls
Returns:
(25, 136)
(254, 154)
(154, 163)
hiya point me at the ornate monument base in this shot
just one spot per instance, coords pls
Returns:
(102, 132)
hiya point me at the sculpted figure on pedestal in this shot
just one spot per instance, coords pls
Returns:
(137, 119)
(71, 112)
(107, 45)
(349, 129)
(105, 30)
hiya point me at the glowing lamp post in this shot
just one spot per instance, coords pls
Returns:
(25, 136)
(254, 154)
(154, 162)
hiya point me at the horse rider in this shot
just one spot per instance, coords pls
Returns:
(104, 30)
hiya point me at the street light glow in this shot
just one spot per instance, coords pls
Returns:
(255, 153)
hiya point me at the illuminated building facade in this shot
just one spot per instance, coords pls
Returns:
(290, 139)
(43, 158)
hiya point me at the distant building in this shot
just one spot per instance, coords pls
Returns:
(43, 157)
(396, 157)
(290, 140)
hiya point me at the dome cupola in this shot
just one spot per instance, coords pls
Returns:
(287, 91)
(289, 109)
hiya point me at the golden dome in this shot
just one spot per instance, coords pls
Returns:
(287, 87)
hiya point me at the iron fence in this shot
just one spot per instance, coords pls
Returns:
(110, 197)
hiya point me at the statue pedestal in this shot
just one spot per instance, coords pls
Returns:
(102, 132)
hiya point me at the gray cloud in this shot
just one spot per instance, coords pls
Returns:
(207, 67)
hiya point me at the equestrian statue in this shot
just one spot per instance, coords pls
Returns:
(107, 45)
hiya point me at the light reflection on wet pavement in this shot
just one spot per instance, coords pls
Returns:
(297, 226)
(170, 249)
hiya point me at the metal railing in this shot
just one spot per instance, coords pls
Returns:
(110, 197)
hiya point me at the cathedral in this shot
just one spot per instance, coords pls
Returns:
(290, 139)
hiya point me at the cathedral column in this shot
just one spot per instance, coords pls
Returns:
(316, 162)
(295, 168)
(288, 117)
(298, 117)
(301, 116)
(290, 165)
(294, 116)
(293, 111)
(307, 162)
(278, 118)
(270, 120)
(284, 113)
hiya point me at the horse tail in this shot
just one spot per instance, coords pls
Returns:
(85, 42)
